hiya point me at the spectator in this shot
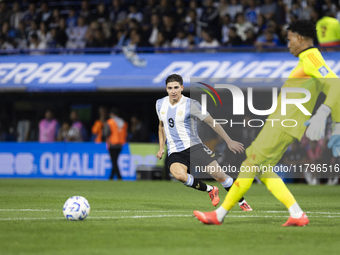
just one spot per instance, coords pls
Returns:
(242, 26)
(261, 25)
(223, 8)
(268, 9)
(234, 39)
(5, 14)
(162, 40)
(55, 19)
(107, 32)
(134, 13)
(43, 35)
(193, 6)
(44, 14)
(269, 39)
(35, 44)
(16, 16)
(5, 44)
(209, 41)
(53, 42)
(117, 12)
(115, 133)
(23, 128)
(21, 36)
(210, 17)
(169, 27)
(61, 34)
(225, 28)
(77, 131)
(76, 35)
(85, 12)
(139, 131)
(30, 15)
(48, 128)
(71, 20)
(316, 14)
(101, 15)
(329, 7)
(97, 128)
(164, 8)
(5, 29)
(234, 8)
(180, 12)
(250, 38)
(149, 10)
(99, 39)
(32, 30)
(280, 12)
(153, 32)
(180, 41)
(252, 12)
(121, 34)
(135, 39)
(63, 132)
(192, 40)
(191, 22)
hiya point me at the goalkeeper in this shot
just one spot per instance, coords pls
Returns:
(313, 74)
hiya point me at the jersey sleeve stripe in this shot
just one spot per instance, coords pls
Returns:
(312, 60)
(316, 59)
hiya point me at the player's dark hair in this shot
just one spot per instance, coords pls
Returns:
(303, 27)
(174, 78)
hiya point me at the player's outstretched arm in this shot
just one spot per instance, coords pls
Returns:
(234, 146)
(161, 138)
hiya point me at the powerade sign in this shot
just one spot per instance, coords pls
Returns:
(68, 161)
(93, 72)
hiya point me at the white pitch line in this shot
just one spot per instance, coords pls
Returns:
(25, 210)
(160, 211)
(163, 216)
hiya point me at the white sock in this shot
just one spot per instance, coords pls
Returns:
(228, 182)
(295, 211)
(240, 203)
(209, 188)
(221, 213)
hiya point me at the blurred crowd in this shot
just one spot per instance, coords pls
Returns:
(51, 129)
(154, 23)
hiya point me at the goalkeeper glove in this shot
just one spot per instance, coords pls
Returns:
(334, 142)
(317, 124)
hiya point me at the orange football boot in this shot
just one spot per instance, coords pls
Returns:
(302, 221)
(209, 218)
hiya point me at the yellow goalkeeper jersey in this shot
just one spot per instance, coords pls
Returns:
(313, 74)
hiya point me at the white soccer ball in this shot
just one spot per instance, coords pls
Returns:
(76, 208)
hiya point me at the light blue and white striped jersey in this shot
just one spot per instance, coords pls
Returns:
(180, 122)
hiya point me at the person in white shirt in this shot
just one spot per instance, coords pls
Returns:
(180, 41)
(242, 26)
(178, 117)
(209, 41)
(35, 44)
(76, 35)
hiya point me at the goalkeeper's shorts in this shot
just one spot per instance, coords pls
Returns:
(269, 146)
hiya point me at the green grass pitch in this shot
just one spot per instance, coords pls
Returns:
(155, 217)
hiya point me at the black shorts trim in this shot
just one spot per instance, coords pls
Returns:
(197, 155)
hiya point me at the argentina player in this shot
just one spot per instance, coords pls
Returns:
(178, 127)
